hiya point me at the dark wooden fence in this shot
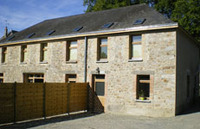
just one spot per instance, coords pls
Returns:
(25, 101)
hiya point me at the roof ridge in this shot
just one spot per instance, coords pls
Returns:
(101, 11)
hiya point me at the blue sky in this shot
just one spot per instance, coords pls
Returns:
(20, 14)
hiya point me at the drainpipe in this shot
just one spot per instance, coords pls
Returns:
(85, 61)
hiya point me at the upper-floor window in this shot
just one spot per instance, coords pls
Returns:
(102, 49)
(43, 52)
(23, 53)
(33, 77)
(71, 51)
(4, 55)
(1, 77)
(71, 78)
(136, 47)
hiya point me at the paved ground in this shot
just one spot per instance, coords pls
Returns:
(113, 121)
(109, 121)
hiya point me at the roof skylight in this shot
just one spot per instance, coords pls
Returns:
(30, 35)
(78, 28)
(108, 25)
(50, 32)
(10, 37)
(139, 21)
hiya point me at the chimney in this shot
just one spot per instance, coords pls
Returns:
(6, 32)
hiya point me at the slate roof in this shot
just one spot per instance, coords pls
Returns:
(123, 17)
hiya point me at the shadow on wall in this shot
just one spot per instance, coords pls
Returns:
(194, 108)
(95, 105)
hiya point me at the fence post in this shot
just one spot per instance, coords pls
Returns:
(44, 100)
(14, 88)
(68, 98)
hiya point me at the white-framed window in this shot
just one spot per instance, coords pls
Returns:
(23, 53)
(43, 52)
(70, 78)
(1, 78)
(4, 55)
(33, 77)
(102, 49)
(136, 47)
(71, 51)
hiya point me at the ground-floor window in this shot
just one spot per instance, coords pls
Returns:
(70, 78)
(1, 77)
(33, 77)
(143, 87)
(99, 85)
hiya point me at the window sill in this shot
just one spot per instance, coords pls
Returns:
(22, 63)
(135, 60)
(71, 62)
(3, 63)
(44, 62)
(102, 61)
(143, 101)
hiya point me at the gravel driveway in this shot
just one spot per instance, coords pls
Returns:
(111, 121)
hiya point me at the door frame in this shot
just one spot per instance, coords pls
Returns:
(105, 87)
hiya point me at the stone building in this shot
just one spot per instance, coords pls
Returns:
(136, 60)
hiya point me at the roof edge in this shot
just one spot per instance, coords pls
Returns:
(94, 33)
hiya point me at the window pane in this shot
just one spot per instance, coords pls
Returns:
(25, 56)
(73, 54)
(100, 77)
(103, 41)
(23, 52)
(103, 53)
(45, 56)
(72, 76)
(100, 88)
(1, 80)
(137, 51)
(73, 44)
(136, 38)
(30, 80)
(4, 52)
(39, 80)
(34, 78)
(144, 87)
(72, 82)
(37, 75)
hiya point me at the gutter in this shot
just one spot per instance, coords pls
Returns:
(94, 33)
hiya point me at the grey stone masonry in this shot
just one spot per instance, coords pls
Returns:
(159, 53)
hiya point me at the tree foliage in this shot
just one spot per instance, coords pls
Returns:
(185, 12)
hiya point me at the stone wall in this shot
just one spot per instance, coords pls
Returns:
(54, 68)
(159, 55)
(159, 60)
(187, 65)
